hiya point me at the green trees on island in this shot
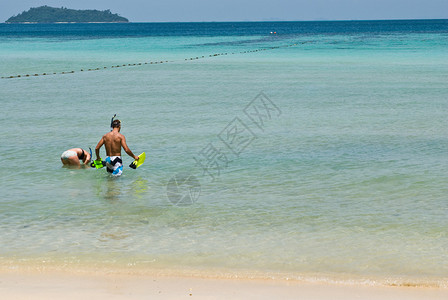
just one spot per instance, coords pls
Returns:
(47, 14)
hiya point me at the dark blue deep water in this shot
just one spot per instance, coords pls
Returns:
(87, 31)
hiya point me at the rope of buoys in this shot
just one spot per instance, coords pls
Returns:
(153, 62)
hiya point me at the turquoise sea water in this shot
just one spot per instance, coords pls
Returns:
(346, 179)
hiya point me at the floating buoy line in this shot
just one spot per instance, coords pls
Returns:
(150, 62)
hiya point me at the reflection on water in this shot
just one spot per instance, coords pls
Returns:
(139, 187)
(113, 189)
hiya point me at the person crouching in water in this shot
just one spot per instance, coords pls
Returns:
(73, 157)
(113, 142)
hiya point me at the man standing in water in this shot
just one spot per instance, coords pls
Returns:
(113, 141)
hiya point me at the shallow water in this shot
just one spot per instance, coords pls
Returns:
(346, 176)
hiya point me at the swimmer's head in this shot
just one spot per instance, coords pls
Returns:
(116, 124)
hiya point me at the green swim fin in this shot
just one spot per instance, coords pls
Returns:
(98, 164)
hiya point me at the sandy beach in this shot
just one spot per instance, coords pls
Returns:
(65, 285)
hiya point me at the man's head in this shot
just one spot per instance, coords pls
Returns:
(116, 124)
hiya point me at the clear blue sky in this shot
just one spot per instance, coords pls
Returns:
(246, 10)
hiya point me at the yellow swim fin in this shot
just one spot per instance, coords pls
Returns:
(137, 163)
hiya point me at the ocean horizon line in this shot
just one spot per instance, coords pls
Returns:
(238, 21)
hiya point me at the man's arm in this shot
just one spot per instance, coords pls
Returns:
(126, 148)
(97, 148)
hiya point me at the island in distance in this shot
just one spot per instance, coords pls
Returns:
(47, 14)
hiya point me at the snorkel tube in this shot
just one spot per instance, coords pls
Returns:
(111, 121)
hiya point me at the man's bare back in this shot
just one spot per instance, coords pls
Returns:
(113, 142)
